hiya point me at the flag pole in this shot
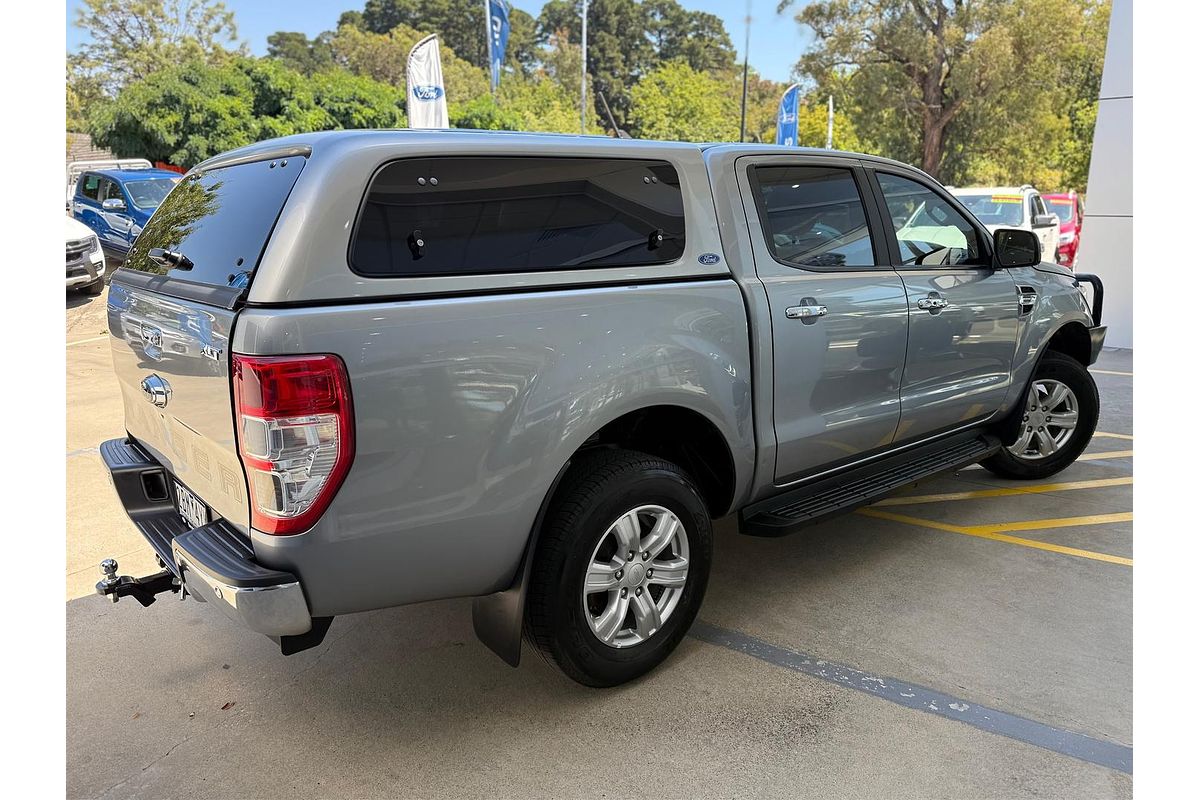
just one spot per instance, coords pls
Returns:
(829, 126)
(487, 36)
(745, 72)
(583, 74)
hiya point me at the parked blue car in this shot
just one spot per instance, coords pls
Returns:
(117, 203)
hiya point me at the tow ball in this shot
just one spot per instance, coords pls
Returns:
(144, 590)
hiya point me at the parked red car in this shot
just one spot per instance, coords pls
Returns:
(1069, 209)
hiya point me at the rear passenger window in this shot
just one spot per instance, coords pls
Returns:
(90, 186)
(814, 217)
(478, 215)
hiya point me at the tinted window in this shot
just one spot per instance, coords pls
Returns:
(457, 216)
(929, 230)
(220, 220)
(89, 186)
(814, 217)
(150, 194)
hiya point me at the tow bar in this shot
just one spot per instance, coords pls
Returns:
(144, 590)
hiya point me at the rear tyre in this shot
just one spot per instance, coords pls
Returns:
(620, 569)
(1058, 419)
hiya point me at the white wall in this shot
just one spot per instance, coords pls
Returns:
(1106, 244)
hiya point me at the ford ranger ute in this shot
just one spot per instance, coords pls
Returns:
(368, 368)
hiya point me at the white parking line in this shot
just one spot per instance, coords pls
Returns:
(85, 341)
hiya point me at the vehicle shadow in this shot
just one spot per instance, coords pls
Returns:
(411, 688)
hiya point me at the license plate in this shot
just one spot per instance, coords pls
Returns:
(194, 512)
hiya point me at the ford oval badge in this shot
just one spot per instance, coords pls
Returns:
(708, 259)
(427, 92)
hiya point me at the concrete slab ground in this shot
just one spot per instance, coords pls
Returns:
(175, 700)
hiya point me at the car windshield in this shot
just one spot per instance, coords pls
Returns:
(1064, 208)
(994, 209)
(150, 193)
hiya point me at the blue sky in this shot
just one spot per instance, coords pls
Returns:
(776, 40)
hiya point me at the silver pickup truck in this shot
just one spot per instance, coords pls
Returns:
(368, 368)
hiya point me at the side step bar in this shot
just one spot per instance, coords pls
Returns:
(813, 502)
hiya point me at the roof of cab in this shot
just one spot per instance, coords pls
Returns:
(305, 144)
(134, 174)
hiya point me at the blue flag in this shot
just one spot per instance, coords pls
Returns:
(498, 33)
(786, 123)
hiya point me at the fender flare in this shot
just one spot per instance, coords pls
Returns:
(498, 618)
(1009, 427)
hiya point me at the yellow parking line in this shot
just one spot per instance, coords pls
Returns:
(1098, 456)
(1112, 372)
(1061, 522)
(991, 532)
(912, 500)
(1125, 436)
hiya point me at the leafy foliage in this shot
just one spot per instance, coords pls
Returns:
(990, 91)
(130, 39)
(677, 102)
(193, 111)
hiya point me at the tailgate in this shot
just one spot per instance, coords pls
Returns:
(171, 326)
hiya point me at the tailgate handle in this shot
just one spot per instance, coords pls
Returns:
(169, 259)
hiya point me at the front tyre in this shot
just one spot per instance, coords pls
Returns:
(1058, 419)
(620, 568)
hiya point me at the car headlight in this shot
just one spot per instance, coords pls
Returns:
(1065, 238)
(95, 248)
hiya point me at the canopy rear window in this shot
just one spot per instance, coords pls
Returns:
(220, 220)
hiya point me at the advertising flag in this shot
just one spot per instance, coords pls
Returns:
(785, 124)
(426, 91)
(497, 37)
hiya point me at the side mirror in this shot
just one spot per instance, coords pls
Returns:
(113, 204)
(1044, 220)
(1017, 248)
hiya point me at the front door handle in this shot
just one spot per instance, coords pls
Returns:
(806, 313)
(933, 303)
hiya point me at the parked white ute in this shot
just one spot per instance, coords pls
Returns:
(1013, 207)
(85, 259)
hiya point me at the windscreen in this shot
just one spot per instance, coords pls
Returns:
(1065, 209)
(994, 209)
(219, 220)
(150, 194)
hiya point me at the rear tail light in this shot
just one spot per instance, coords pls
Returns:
(295, 430)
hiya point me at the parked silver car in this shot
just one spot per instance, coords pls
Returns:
(368, 368)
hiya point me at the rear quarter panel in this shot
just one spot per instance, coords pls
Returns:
(467, 408)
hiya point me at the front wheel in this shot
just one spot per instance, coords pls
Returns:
(621, 567)
(1058, 419)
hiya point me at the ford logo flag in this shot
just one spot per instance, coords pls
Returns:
(786, 132)
(498, 27)
(426, 87)
(427, 92)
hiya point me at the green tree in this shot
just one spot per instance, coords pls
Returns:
(130, 39)
(696, 37)
(459, 24)
(678, 103)
(193, 111)
(618, 52)
(384, 57)
(356, 101)
(298, 52)
(962, 89)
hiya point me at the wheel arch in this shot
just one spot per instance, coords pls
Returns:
(704, 453)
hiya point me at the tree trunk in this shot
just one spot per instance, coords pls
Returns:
(931, 143)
